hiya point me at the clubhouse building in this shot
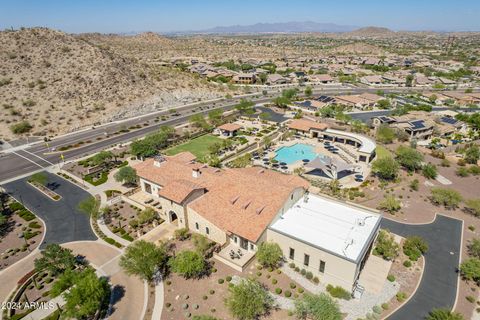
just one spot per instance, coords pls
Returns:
(239, 208)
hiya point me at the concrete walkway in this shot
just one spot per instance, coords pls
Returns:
(128, 292)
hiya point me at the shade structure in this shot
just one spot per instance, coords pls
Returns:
(331, 167)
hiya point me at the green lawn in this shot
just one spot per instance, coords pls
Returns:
(198, 146)
(382, 152)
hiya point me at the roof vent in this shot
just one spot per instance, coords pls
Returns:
(261, 171)
(259, 210)
(361, 222)
(234, 199)
(246, 204)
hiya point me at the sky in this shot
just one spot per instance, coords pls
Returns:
(120, 16)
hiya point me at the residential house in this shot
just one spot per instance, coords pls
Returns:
(244, 78)
(371, 80)
(274, 79)
(322, 78)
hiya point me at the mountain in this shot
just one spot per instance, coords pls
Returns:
(59, 82)
(281, 27)
(370, 32)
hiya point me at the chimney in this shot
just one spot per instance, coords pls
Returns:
(157, 160)
(196, 173)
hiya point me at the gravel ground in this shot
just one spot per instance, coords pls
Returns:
(355, 308)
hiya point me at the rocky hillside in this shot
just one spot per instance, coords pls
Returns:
(60, 82)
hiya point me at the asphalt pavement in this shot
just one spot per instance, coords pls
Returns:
(64, 222)
(438, 287)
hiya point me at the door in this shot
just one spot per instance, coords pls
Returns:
(243, 244)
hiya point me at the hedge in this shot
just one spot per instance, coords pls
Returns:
(26, 215)
(103, 178)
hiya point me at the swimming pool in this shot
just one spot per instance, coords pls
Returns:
(295, 153)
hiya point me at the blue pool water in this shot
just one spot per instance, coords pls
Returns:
(295, 153)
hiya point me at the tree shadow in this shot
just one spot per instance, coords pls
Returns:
(6, 228)
(53, 185)
(118, 292)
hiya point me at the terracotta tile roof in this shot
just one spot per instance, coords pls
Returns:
(306, 125)
(371, 96)
(354, 99)
(242, 201)
(230, 127)
(178, 190)
(246, 200)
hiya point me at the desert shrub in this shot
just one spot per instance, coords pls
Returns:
(385, 246)
(445, 163)
(429, 171)
(338, 292)
(317, 307)
(182, 234)
(462, 172)
(21, 127)
(407, 263)
(470, 269)
(474, 170)
(414, 247)
(444, 314)
(401, 296)
(391, 277)
(389, 204)
(414, 185)
(448, 198)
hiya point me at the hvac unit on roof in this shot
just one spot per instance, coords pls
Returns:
(361, 222)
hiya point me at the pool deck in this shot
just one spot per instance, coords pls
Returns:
(348, 181)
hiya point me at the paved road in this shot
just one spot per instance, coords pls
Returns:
(64, 222)
(438, 287)
(367, 115)
(35, 158)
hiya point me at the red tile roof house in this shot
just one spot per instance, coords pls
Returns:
(239, 208)
(228, 129)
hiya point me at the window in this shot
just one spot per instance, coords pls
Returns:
(306, 259)
(235, 239)
(148, 188)
(322, 266)
(251, 246)
(291, 197)
(292, 253)
(207, 231)
(196, 225)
